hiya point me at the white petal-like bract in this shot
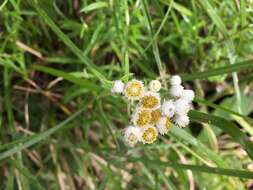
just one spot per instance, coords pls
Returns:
(118, 86)
(168, 108)
(175, 80)
(176, 90)
(181, 106)
(132, 135)
(163, 125)
(182, 120)
(188, 95)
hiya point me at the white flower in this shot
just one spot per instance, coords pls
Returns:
(168, 108)
(176, 90)
(149, 135)
(182, 120)
(175, 80)
(181, 106)
(188, 95)
(132, 135)
(164, 125)
(150, 100)
(134, 89)
(155, 85)
(118, 86)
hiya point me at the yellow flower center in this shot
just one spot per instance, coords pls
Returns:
(155, 116)
(134, 89)
(149, 101)
(168, 123)
(144, 118)
(149, 135)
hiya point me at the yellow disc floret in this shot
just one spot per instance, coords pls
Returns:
(149, 135)
(150, 100)
(168, 123)
(142, 117)
(155, 116)
(134, 90)
(163, 125)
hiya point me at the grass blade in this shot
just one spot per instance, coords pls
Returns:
(79, 81)
(94, 6)
(197, 168)
(39, 137)
(202, 149)
(229, 44)
(64, 37)
(228, 127)
(245, 65)
(26, 173)
(212, 105)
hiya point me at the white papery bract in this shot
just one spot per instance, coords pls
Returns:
(182, 120)
(163, 126)
(132, 135)
(168, 108)
(188, 95)
(181, 106)
(175, 80)
(118, 86)
(176, 90)
(155, 85)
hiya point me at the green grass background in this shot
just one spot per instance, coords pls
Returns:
(60, 127)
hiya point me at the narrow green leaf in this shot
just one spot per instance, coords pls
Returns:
(7, 98)
(3, 4)
(228, 41)
(243, 13)
(107, 123)
(151, 33)
(180, 8)
(197, 168)
(227, 126)
(65, 38)
(94, 6)
(202, 149)
(160, 27)
(218, 107)
(26, 173)
(63, 60)
(79, 81)
(245, 65)
(39, 137)
(214, 16)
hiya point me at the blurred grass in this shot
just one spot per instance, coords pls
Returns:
(60, 127)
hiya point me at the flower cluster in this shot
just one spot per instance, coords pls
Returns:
(150, 116)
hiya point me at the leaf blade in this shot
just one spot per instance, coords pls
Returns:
(219, 71)
(226, 126)
(79, 81)
(94, 6)
(39, 137)
(198, 168)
